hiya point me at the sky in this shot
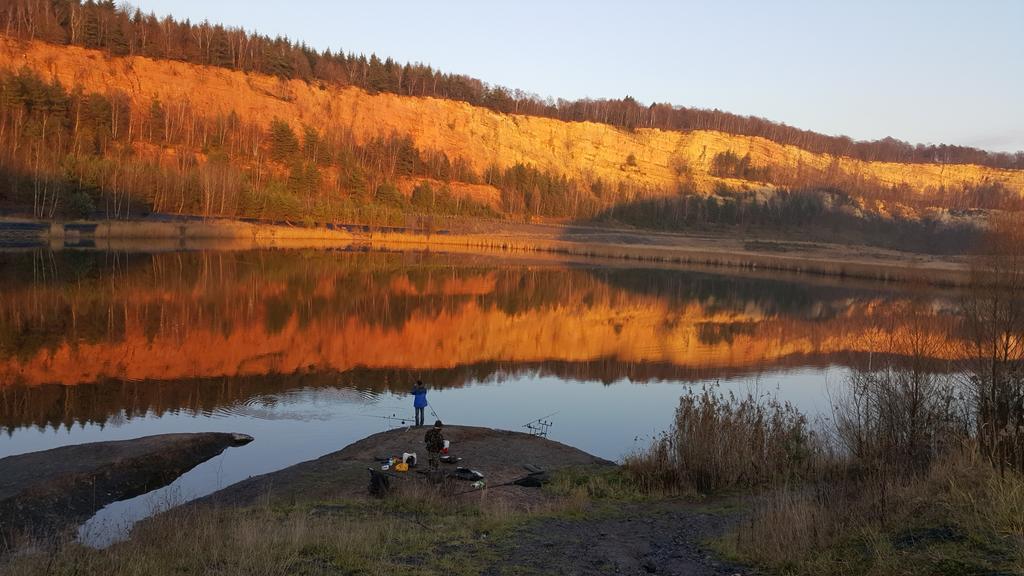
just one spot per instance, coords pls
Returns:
(931, 71)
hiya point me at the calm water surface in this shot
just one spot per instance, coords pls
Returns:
(308, 351)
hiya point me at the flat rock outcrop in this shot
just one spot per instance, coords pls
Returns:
(501, 456)
(45, 493)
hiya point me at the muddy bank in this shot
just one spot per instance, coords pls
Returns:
(45, 493)
(696, 251)
(477, 237)
(500, 455)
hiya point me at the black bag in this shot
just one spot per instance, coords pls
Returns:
(379, 483)
(467, 474)
(534, 480)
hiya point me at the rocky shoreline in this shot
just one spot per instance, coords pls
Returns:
(500, 455)
(45, 494)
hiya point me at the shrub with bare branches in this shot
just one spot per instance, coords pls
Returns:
(993, 328)
(897, 417)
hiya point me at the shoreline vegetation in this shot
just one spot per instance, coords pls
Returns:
(915, 469)
(474, 237)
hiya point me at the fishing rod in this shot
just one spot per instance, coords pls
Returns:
(433, 412)
(392, 418)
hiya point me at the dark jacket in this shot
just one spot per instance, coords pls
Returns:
(434, 439)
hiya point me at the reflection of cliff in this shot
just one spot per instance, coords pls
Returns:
(86, 337)
(176, 317)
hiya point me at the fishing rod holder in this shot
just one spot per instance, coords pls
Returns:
(539, 427)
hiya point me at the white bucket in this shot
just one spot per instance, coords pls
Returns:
(409, 458)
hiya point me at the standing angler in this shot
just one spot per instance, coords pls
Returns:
(435, 443)
(419, 393)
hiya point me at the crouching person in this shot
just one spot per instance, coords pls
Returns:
(434, 439)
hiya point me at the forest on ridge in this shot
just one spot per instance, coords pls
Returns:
(125, 31)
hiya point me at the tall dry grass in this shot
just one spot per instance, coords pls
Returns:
(899, 481)
(905, 488)
(961, 517)
(418, 529)
(721, 441)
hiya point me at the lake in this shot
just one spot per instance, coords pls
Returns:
(308, 351)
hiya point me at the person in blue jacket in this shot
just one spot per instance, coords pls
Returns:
(419, 402)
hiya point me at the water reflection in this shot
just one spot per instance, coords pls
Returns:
(307, 350)
(91, 337)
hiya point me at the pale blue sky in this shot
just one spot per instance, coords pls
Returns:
(922, 71)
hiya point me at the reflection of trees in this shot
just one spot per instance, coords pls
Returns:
(647, 324)
(56, 406)
(92, 297)
(723, 293)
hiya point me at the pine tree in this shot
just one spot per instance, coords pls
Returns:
(156, 121)
(92, 36)
(283, 143)
(220, 49)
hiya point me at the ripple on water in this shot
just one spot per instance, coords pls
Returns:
(304, 405)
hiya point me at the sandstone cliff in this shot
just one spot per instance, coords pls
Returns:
(480, 136)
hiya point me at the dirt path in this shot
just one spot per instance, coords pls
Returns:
(44, 493)
(660, 538)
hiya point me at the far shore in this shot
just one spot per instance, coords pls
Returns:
(485, 237)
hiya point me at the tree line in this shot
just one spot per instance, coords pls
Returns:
(124, 31)
(68, 153)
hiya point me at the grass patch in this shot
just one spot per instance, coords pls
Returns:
(598, 483)
(418, 529)
(961, 518)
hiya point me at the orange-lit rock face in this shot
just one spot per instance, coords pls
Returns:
(479, 136)
(194, 316)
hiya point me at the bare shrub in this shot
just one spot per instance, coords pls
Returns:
(993, 329)
(898, 417)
